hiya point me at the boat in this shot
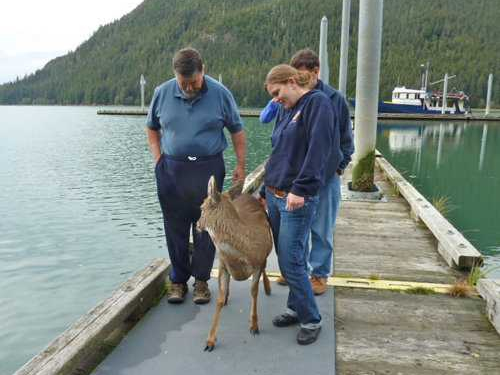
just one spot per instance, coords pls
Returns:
(405, 100)
(424, 101)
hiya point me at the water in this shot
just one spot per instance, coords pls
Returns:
(459, 161)
(78, 216)
(79, 212)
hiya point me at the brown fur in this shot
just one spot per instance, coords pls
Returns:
(238, 226)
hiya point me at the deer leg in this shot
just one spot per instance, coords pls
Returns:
(266, 282)
(227, 289)
(254, 326)
(223, 281)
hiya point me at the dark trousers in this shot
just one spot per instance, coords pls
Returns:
(182, 187)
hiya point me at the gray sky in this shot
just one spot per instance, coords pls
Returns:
(33, 32)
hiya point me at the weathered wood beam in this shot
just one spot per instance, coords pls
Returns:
(254, 179)
(452, 245)
(83, 345)
(489, 289)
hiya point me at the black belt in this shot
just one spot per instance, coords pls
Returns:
(193, 158)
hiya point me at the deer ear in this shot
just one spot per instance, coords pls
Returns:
(212, 189)
(235, 190)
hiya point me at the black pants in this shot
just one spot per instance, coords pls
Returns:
(182, 186)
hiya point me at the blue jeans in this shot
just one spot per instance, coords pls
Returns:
(290, 231)
(323, 227)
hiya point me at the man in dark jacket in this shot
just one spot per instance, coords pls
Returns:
(320, 257)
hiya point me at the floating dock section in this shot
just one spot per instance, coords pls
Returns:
(255, 112)
(388, 309)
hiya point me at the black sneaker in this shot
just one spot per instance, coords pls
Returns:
(177, 292)
(285, 320)
(307, 336)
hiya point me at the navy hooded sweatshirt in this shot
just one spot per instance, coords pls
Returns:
(305, 140)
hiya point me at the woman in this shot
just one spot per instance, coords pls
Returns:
(303, 138)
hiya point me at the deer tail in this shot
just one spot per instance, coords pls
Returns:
(267, 283)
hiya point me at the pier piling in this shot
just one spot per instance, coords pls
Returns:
(344, 46)
(367, 93)
(142, 82)
(324, 70)
(488, 95)
(445, 93)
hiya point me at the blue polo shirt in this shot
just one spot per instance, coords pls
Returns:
(304, 138)
(193, 127)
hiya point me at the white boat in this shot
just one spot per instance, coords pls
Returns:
(407, 100)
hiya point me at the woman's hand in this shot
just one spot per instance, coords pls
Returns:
(294, 202)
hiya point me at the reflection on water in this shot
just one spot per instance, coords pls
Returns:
(456, 160)
(413, 138)
(79, 215)
(483, 146)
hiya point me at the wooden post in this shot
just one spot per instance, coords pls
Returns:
(344, 46)
(324, 70)
(488, 95)
(367, 91)
(445, 93)
(142, 82)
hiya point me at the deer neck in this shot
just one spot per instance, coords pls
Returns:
(225, 226)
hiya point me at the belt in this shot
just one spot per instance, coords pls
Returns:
(277, 192)
(193, 158)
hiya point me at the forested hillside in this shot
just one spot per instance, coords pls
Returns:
(242, 39)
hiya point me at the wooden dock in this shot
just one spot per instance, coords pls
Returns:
(389, 312)
(255, 112)
(246, 112)
(388, 332)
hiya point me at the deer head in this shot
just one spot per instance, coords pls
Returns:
(217, 208)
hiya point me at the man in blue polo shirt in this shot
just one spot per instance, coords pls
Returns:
(185, 133)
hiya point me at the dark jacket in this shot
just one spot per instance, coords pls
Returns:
(305, 140)
(343, 117)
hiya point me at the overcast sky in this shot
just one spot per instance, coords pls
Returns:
(32, 32)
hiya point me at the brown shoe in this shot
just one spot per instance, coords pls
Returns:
(201, 293)
(318, 285)
(281, 280)
(177, 292)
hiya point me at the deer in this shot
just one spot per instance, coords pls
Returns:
(239, 228)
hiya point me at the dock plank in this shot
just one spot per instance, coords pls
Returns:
(381, 238)
(381, 332)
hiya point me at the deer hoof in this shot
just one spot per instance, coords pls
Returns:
(254, 331)
(210, 346)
